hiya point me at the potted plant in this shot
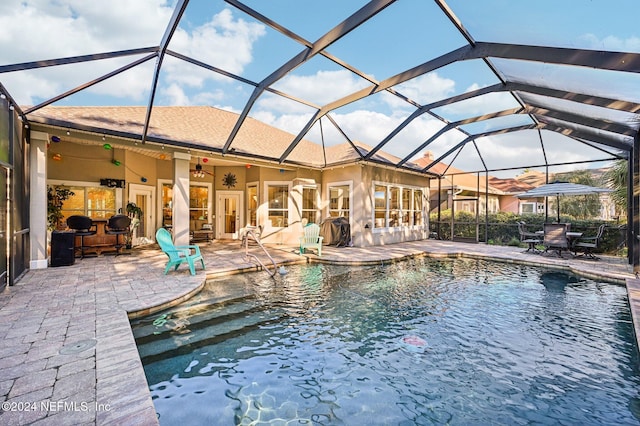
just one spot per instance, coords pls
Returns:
(56, 196)
(134, 212)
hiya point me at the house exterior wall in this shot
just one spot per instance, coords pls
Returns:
(509, 204)
(380, 236)
(86, 163)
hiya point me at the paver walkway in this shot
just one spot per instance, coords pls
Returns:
(68, 356)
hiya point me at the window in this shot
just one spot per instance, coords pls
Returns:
(339, 201)
(310, 204)
(527, 208)
(396, 206)
(380, 214)
(417, 207)
(167, 205)
(199, 203)
(252, 204)
(92, 201)
(278, 213)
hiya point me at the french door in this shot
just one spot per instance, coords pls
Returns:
(229, 214)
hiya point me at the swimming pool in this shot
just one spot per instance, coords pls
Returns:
(505, 344)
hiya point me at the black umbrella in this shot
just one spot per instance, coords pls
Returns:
(562, 188)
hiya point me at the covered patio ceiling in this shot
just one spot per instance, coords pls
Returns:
(487, 86)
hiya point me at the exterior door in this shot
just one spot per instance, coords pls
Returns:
(142, 195)
(229, 214)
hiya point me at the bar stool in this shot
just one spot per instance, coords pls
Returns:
(83, 226)
(118, 225)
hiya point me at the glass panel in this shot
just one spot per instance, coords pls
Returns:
(310, 205)
(339, 198)
(101, 202)
(417, 207)
(198, 203)
(167, 205)
(278, 205)
(406, 206)
(380, 196)
(252, 203)
(394, 206)
(230, 207)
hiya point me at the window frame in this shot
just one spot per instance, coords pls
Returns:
(118, 192)
(268, 207)
(396, 208)
(349, 210)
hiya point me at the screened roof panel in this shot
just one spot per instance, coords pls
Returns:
(309, 21)
(478, 105)
(546, 23)
(36, 86)
(54, 29)
(632, 120)
(599, 82)
(448, 81)
(320, 81)
(522, 149)
(497, 123)
(397, 77)
(404, 35)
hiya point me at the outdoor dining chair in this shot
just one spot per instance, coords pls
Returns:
(587, 245)
(531, 238)
(555, 237)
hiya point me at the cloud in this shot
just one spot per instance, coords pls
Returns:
(613, 43)
(424, 89)
(224, 42)
(47, 29)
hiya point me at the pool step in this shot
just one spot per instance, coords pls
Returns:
(183, 335)
(203, 311)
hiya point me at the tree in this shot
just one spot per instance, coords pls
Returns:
(616, 178)
(578, 206)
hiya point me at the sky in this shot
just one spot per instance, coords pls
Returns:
(403, 35)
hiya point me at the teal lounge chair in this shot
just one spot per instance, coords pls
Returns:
(178, 254)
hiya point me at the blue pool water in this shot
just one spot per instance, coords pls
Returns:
(505, 345)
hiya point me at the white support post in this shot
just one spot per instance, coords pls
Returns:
(180, 221)
(38, 201)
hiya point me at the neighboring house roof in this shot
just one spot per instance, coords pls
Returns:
(534, 178)
(459, 178)
(509, 186)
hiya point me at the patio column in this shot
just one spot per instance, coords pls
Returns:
(38, 200)
(180, 221)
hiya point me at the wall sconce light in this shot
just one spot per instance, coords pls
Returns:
(106, 146)
(3, 96)
(55, 139)
(162, 157)
(248, 166)
(143, 179)
(104, 138)
(68, 133)
(205, 160)
(56, 157)
(115, 162)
